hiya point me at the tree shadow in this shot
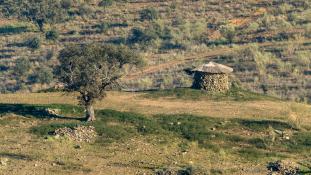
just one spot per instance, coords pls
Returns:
(39, 112)
(15, 156)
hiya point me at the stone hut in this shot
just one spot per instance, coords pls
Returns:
(212, 77)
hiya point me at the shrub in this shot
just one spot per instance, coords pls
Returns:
(308, 30)
(229, 32)
(105, 3)
(12, 29)
(66, 4)
(33, 43)
(147, 36)
(22, 66)
(148, 14)
(51, 35)
(253, 27)
(103, 27)
(49, 54)
(141, 36)
(43, 76)
(85, 10)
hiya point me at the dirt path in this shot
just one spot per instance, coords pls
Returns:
(205, 55)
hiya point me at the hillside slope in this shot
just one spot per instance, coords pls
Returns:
(266, 42)
(152, 134)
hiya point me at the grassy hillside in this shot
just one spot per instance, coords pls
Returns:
(266, 42)
(154, 134)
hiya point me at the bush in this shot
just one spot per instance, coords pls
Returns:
(22, 66)
(148, 14)
(12, 29)
(33, 43)
(51, 35)
(147, 36)
(103, 27)
(253, 27)
(141, 36)
(66, 4)
(43, 76)
(105, 3)
(229, 32)
(85, 10)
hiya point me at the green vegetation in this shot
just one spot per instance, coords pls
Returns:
(105, 3)
(33, 43)
(92, 69)
(210, 133)
(148, 14)
(43, 75)
(22, 67)
(235, 93)
(52, 35)
(274, 38)
(12, 29)
(39, 12)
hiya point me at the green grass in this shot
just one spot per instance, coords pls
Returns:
(260, 125)
(254, 154)
(115, 126)
(235, 94)
(10, 29)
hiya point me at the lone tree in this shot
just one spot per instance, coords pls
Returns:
(91, 69)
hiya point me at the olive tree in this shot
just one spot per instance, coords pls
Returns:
(92, 69)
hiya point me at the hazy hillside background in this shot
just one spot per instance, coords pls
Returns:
(268, 43)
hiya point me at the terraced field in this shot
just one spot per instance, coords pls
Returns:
(280, 30)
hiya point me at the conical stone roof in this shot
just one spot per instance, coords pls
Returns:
(214, 68)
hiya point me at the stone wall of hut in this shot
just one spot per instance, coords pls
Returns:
(211, 82)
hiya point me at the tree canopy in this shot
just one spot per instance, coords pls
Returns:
(90, 69)
(39, 12)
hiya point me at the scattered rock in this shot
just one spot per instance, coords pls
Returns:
(283, 168)
(164, 172)
(53, 111)
(80, 133)
(278, 132)
(4, 161)
(77, 146)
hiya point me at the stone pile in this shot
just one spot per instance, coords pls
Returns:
(80, 133)
(283, 168)
(215, 82)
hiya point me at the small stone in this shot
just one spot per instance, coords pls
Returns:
(77, 146)
(36, 165)
(4, 161)
(213, 129)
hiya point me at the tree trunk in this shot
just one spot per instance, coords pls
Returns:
(90, 114)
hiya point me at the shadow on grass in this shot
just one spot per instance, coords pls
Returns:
(15, 156)
(39, 112)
